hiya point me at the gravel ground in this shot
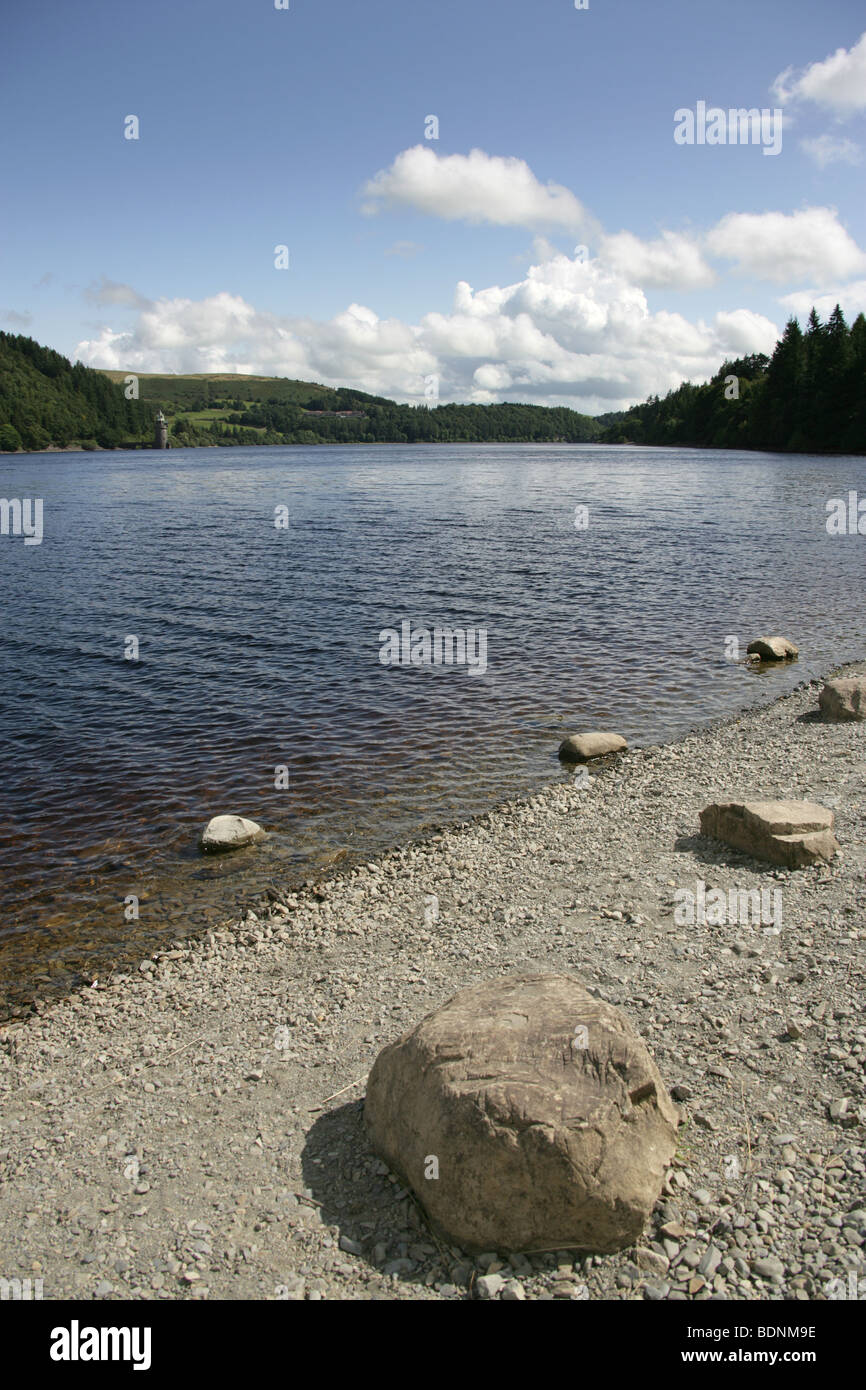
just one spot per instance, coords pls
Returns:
(194, 1129)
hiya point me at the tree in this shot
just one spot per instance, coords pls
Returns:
(10, 439)
(778, 418)
(810, 395)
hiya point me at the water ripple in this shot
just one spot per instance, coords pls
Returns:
(260, 648)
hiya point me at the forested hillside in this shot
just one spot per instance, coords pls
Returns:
(45, 400)
(809, 397)
(406, 424)
(224, 409)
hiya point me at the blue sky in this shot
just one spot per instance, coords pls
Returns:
(262, 127)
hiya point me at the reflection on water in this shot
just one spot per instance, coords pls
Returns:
(259, 648)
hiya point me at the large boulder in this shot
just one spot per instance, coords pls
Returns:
(548, 1121)
(844, 698)
(579, 748)
(772, 649)
(793, 833)
(230, 832)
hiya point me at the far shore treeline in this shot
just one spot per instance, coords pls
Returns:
(810, 397)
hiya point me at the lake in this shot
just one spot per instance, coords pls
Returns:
(262, 683)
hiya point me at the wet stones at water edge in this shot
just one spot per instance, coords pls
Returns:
(843, 699)
(792, 833)
(230, 832)
(548, 1121)
(772, 649)
(579, 748)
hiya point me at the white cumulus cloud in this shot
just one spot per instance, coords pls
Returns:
(837, 82)
(572, 331)
(475, 188)
(672, 261)
(851, 298)
(780, 247)
(744, 332)
(224, 333)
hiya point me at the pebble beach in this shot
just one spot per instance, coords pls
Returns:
(193, 1128)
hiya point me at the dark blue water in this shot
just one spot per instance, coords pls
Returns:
(259, 648)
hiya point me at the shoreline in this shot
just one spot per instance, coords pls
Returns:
(441, 443)
(41, 971)
(209, 1100)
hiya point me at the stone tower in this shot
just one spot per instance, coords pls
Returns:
(160, 438)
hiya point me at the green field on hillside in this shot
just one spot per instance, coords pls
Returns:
(197, 392)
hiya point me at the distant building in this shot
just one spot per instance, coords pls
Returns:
(160, 437)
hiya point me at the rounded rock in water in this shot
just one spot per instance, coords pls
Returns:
(230, 832)
(579, 748)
